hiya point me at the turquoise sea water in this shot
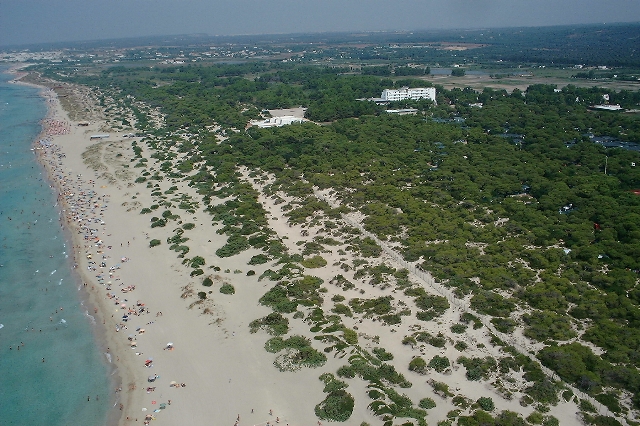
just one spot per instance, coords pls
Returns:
(41, 314)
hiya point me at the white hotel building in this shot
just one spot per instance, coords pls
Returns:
(390, 95)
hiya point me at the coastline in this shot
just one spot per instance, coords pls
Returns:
(87, 299)
(224, 371)
(239, 384)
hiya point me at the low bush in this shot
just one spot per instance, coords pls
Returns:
(461, 346)
(382, 354)
(458, 328)
(350, 336)
(427, 403)
(486, 403)
(258, 259)
(207, 282)
(227, 289)
(154, 243)
(314, 262)
(338, 405)
(342, 309)
(274, 324)
(418, 364)
(439, 363)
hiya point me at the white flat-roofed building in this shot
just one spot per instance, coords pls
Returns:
(390, 95)
(278, 121)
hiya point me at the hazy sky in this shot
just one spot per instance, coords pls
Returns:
(35, 21)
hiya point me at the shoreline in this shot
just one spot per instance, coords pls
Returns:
(86, 298)
(215, 360)
(117, 370)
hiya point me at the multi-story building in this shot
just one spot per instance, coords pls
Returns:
(390, 95)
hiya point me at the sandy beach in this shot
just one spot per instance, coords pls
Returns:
(183, 360)
(221, 371)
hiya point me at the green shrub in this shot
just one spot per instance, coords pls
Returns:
(544, 391)
(382, 354)
(258, 259)
(427, 403)
(154, 243)
(274, 324)
(207, 282)
(478, 368)
(350, 336)
(251, 272)
(337, 298)
(314, 262)
(145, 210)
(486, 403)
(586, 405)
(504, 325)
(458, 328)
(161, 223)
(418, 364)
(196, 272)
(227, 289)
(202, 295)
(439, 363)
(535, 418)
(461, 401)
(609, 400)
(235, 244)
(188, 226)
(337, 407)
(299, 353)
(196, 262)
(342, 309)
(461, 346)
(441, 389)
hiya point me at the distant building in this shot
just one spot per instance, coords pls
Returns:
(100, 136)
(278, 121)
(390, 95)
(405, 111)
(613, 107)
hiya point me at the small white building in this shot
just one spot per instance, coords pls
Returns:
(278, 121)
(613, 107)
(390, 95)
(100, 136)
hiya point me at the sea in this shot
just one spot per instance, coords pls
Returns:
(52, 371)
